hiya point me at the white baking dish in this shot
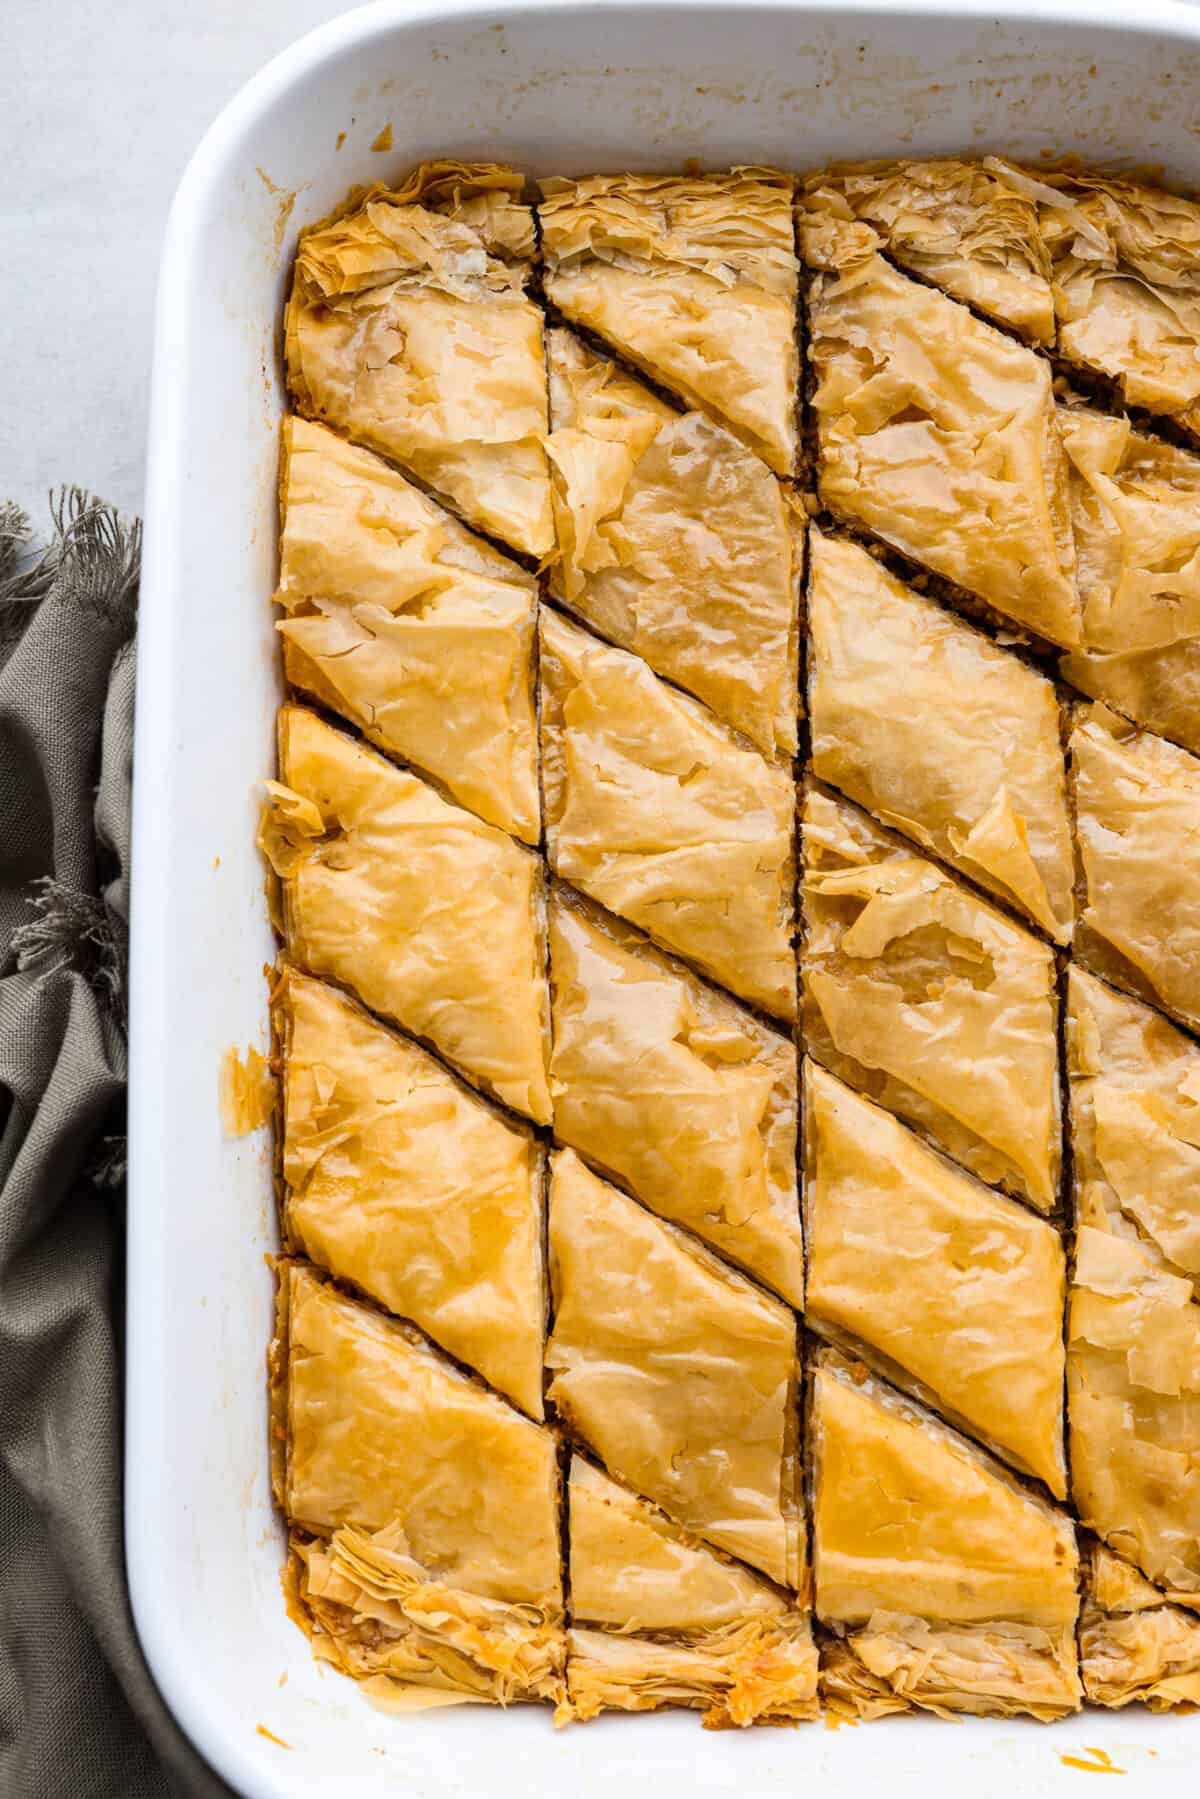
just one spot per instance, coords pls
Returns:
(554, 87)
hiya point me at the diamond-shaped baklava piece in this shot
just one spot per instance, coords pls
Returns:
(409, 625)
(403, 1181)
(659, 1618)
(950, 1586)
(970, 764)
(938, 433)
(950, 1289)
(678, 1372)
(424, 1510)
(960, 225)
(1133, 1354)
(694, 279)
(410, 329)
(1133, 1645)
(1126, 273)
(676, 1090)
(1135, 503)
(431, 916)
(1137, 821)
(676, 542)
(656, 810)
(929, 1000)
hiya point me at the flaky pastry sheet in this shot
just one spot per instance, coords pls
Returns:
(676, 542)
(929, 1000)
(694, 279)
(657, 812)
(401, 1180)
(409, 328)
(675, 1090)
(938, 433)
(955, 1291)
(409, 625)
(678, 1372)
(433, 917)
(1133, 1646)
(970, 765)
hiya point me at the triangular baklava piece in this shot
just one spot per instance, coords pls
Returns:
(950, 1587)
(1133, 1645)
(676, 542)
(655, 810)
(659, 1618)
(416, 630)
(431, 916)
(423, 1509)
(410, 329)
(406, 1183)
(1133, 1351)
(694, 279)
(675, 1090)
(1137, 821)
(678, 1372)
(938, 433)
(953, 1291)
(959, 225)
(971, 765)
(930, 1000)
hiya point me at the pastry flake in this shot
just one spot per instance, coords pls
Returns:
(676, 542)
(678, 1372)
(931, 1002)
(1133, 1646)
(971, 765)
(694, 279)
(404, 1182)
(1135, 505)
(407, 624)
(938, 433)
(1137, 824)
(676, 1091)
(431, 916)
(949, 1586)
(659, 1618)
(954, 1290)
(657, 812)
(409, 328)
(424, 1510)
(959, 225)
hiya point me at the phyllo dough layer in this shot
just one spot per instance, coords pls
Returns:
(655, 810)
(678, 1372)
(409, 328)
(659, 1618)
(960, 225)
(1126, 274)
(676, 1090)
(1137, 820)
(1133, 1646)
(694, 279)
(938, 433)
(408, 624)
(949, 1586)
(403, 1181)
(929, 1000)
(1135, 504)
(424, 1509)
(952, 1290)
(675, 542)
(433, 917)
(971, 764)
(1133, 1353)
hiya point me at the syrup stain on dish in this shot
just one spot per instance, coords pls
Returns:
(285, 199)
(1102, 1762)
(262, 1731)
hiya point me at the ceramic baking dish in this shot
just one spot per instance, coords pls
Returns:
(554, 87)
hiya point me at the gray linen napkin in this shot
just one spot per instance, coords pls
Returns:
(79, 1713)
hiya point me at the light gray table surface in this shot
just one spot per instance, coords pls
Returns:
(100, 108)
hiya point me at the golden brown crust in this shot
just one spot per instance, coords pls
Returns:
(1133, 1646)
